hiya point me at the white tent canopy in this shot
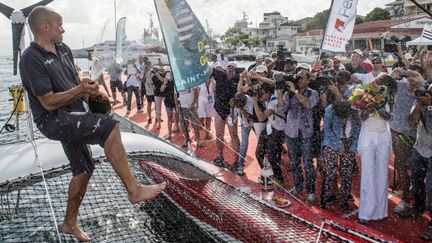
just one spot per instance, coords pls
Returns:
(421, 41)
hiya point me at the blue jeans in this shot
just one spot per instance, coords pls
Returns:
(421, 169)
(245, 131)
(301, 148)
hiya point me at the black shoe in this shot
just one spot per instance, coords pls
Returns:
(331, 199)
(219, 161)
(409, 213)
(427, 235)
(323, 205)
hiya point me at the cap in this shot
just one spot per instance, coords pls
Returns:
(258, 57)
(337, 59)
(303, 66)
(358, 51)
(232, 64)
(261, 69)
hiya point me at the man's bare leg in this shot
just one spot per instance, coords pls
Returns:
(116, 155)
(76, 192)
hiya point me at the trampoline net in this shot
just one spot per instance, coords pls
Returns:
(105, 214)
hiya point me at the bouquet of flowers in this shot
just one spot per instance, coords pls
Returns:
(368, 98)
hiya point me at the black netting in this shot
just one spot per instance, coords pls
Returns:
(105, 214)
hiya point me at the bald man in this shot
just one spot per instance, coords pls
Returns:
(56, 95)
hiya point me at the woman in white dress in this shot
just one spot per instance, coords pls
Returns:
(374, 147)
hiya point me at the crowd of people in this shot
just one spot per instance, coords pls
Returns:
(306, 111)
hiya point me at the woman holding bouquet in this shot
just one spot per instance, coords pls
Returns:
(374, 147)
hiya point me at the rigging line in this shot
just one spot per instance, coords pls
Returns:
(39, 164)
(320, 231)
(220, 140)
(281, 187)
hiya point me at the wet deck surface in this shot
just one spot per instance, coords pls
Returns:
(405, 230)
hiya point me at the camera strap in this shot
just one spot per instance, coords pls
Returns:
(276, 114)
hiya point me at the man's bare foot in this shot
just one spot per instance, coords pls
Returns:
(146, 192)
(76, 231)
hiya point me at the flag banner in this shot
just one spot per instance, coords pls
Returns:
(120, 38)
(340, 25)
(427, 31)
(185, 42)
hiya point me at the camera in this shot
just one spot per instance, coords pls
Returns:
(390, 45)
(281, 81)
(323, 80)
(281, 52)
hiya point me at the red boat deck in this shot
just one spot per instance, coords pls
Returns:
(392, 228)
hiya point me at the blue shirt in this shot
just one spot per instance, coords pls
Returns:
(404, 100)
(333, 131)
(299, 119)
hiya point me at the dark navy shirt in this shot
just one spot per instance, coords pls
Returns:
(43, 72)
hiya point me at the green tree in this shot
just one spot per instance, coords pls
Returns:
(319, 20)
(377, 14)
(255, 41)
(234, 37)
(359, 19)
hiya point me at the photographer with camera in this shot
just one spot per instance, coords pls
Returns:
(242, 107)
(421, 116)
(340, 90)
(403, 135)
(250, 83)
(270, 140)
(300, 100)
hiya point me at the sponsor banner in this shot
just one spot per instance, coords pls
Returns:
(185, 42)
(427, 31)
(120, 37)
(340, 25)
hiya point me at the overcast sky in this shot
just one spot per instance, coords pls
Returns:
(84, 19)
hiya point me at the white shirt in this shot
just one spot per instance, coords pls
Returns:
(186, 98)
(133, 80)
(276, 121)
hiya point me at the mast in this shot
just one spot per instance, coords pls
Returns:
(115, 16)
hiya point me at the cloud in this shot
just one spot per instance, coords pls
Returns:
(84, 20)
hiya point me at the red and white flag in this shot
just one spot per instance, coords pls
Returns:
(340, 25)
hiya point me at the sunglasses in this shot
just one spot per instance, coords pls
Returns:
(376, 62)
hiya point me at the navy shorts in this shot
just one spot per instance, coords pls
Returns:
(150, 98)
(75, 131)
(116, 85)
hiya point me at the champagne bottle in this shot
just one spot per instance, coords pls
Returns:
(267, 175)
(99, 103)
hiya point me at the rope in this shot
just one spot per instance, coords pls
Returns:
(281, 187)
(39, 164)
(13, 112)
(320, 231)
